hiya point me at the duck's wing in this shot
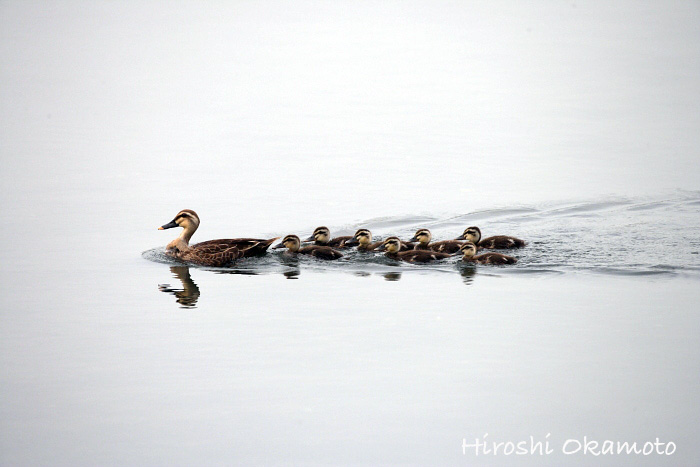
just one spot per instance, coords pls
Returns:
(407, 246)
(446, 246)
(247, 246)
(339, 242)
(321, 252)
(501, 242)
(214, 254)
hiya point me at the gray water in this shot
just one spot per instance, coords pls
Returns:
(573, 126)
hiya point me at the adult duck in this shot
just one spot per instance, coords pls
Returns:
(215, 253)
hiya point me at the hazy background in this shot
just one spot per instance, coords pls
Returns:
(270, 118)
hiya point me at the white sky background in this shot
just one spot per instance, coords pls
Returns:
(417, 106)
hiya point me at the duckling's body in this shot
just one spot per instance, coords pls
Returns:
(392, 245)
(322, 237)
(469, 251)
(363, 240)
(423, 237)
(293, 244)
(215, 253)
(496, 242)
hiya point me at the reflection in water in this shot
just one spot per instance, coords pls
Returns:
(467, 271)
(392, 276)
(292, 273)
(189, 294)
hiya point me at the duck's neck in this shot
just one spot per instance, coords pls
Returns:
(182, 243)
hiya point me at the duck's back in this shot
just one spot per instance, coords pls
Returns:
(247, 246)
(447, 246)
(421, 256)
(494, 258)
(501, 242)
(322, 252)
(212, 254)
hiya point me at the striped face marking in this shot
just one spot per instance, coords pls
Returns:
(392, 244)
(468, 249)
(423, 236)
(472, 234)
(363, 236)
(322, 234)
(292, 242)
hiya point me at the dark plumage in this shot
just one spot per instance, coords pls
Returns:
(469, 251)
(392, 245)
(497, 242)
(215, 253)
(293, 243)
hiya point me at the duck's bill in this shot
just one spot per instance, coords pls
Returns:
(351, 242)
(461, 237)
(381, 247)
(310, 239)
(278, 246)
(413, 239)
(169, 225)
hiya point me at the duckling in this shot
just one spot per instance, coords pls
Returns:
(363, 240)
(293, 243)
(497, 242)
(392, 246)
(322, 237)
(423, 237)
(212, 252)
(469, 250)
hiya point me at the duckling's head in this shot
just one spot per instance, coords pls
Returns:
(291, 242)
(362, 237)
(321, 235)
(187, 219)
(471, 234)
(391, 245)
(468, 250)
(422, 236)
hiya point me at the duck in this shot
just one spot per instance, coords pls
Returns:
(468, 251)
(363, 240)
(293, 244)
(497, 242)
(322, 237)
(215, 253)
(392, 246)
(423, 237)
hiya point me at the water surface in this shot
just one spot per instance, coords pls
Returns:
(574, 126)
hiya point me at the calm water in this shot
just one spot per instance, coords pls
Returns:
(574, 126)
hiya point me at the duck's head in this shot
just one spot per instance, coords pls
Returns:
(468, 250)
(362, 237)
(321, 235)
(471, 234)
(391, 245)
(187, 219)
(422, 236)
(291, 242)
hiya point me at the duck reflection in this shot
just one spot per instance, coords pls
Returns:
(188, 295)
(467, 272)
(392, 276)
(292, 273)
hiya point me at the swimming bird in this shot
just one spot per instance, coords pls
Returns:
(423, 237)
(392, 246)
(363, 240)
(468, 251)
(322, 237)
(293, 243)
(212, 252)
(473, 234)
